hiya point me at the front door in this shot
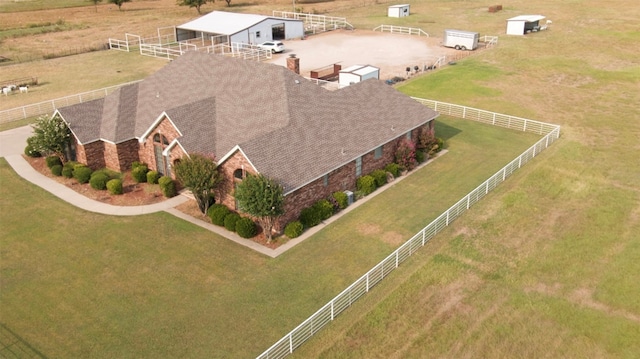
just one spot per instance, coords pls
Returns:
(159, 159)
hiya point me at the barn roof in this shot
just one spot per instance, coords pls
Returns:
(223, 22)
(527, 18)
(290, 129)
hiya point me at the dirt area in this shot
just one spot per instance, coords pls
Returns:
(392, 53)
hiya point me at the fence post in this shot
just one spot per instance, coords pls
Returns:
(24, 112)
(487, 190)
(332, 310)
(468, 200)
(290, 343)
(494, 119)
(447, 222)
(367, 281)
(423, 235)
(396, 259)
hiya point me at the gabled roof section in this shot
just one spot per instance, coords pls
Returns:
(84, 119)
(198, 120)
(119, 114)
(223, 22)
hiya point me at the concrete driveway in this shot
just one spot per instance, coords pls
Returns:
(392, 53)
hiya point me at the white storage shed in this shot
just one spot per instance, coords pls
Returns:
(523, 24)
(398, 10)
(241, 28)
(357, 73)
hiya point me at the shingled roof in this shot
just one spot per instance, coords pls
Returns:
(290, 129)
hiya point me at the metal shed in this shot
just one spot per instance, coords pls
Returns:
(241, 28)
(357, 73)
(398, 10)
(522, 24)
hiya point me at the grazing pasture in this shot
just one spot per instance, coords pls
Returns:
(545, 266)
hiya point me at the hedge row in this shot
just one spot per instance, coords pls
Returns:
(221, 215)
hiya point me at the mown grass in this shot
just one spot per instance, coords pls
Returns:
(157, 286)
(543, 266)
(34, 5)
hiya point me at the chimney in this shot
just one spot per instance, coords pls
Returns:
(293, 63)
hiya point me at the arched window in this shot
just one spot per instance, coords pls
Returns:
(238, 174)
(158, 138)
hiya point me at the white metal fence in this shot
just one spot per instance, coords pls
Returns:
(315, 23)
(48, 107)
(294, 339)
(401, 30)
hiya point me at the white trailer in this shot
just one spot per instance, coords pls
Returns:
(460, 40)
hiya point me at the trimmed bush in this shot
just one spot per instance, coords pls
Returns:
(310, 217)
(230, 221)
(52, 161)
(420, 156)
(139, 173)
(152, 177)
(99, 180)
(167, 186)
(31, 152)
(137, 164)
(56, 170)
(366, 184)
(440, 143)
(82, 173)
(293, 229)
(67, 169)
(342, 199)
(246, 228)
(380, 176)
(115, 186)
(393, 168)
(324, 209)
(217, 213)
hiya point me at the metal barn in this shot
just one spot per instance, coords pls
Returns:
(523, 24)
(241, 28)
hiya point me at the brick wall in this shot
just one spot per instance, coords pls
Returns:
(233, 163)
(125, 154)
(91, 154)
(146, 149)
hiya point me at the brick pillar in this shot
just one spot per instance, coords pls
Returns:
(293, 63)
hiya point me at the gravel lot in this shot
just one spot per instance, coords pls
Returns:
(392, 53)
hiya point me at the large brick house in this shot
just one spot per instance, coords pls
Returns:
(255, 118)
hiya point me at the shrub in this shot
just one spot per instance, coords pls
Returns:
(115, 186)
(293, 229)
(393, 168)
(31, 152)
(99, 180)
(67, 169)
(52, 161)
(82, 173)
(246, 228)
(406, 154)
(310, 217)
(217, 213)
(324, 209)
(341, 198)
(152, 177)
(230, 221)
(56, 170)
(420, 156)
(366, 184)
(139, 173)
(137, 164)
(380, 176)
(440, 143)
(167, 186)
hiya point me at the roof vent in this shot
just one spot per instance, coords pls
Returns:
(342, 152)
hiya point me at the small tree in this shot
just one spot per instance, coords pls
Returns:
(95, 2)
(51, 136)
(196, 3)
(262, 198)
(119, 3)
(406, 154)
(199, 173)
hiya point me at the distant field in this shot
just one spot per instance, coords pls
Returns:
(34, 5)
(545, 266)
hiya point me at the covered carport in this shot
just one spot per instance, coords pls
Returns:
(240, 28)
(523, 24)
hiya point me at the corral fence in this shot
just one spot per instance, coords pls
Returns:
(489, 41)
(316, 23)
(48, 107)
(19, 82)
(401, 30)
(360, 287)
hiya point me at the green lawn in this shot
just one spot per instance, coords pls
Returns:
(154, 285)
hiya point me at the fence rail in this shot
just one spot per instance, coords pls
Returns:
(316, 22)
(401, 30)
(48, 107)
(294, 339)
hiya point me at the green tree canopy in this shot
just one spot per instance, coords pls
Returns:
(262, 198)
(51, 136)
(195, 3)
(119, 3)
(199, 173)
